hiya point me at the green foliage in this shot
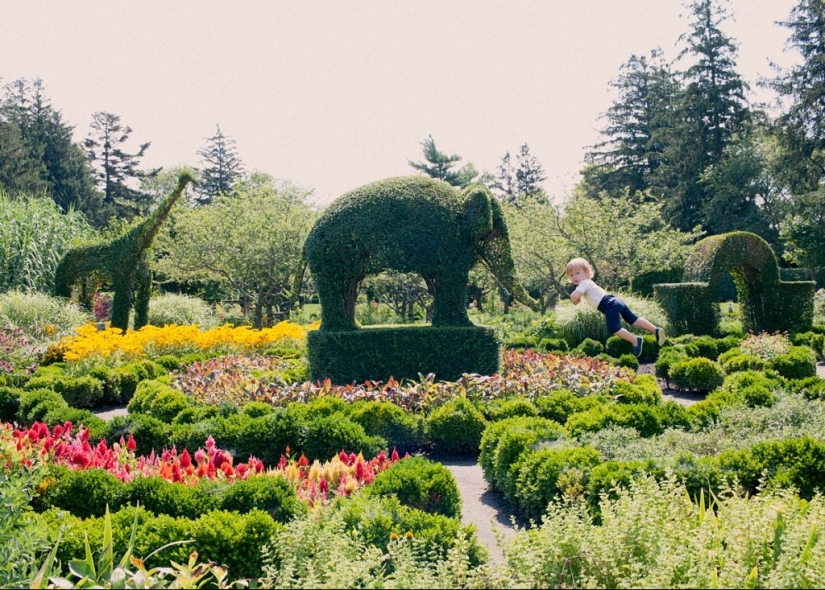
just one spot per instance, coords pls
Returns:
(703, 346)
(697, 373)
(169, 362)
(34, 235)
(378, 353)
(644, 283)
(798, 363)
(123, 260)
(267, 437)
(328, 435)
(560, 404)
(9, 403)
(22, 541)
(644, 418)
(35, 404)
(402, 431)
(84, 493)
(272, 494)
(375, 519)
(421, 484)
(812, 340)
(628, 360)
(181, 310)
(738, 361)
(266, 223)
(758, 395)
(504, 441)
(540, 477)
(77, 391)
(644, 390)
(456, 427)
(766, 302)
(41, 318)
(499, 409)
(590, 347)
(408, 224)
(616, 347)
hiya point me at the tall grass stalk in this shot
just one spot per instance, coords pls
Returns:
(42, 318)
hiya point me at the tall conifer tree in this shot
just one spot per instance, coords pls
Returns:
(223, 168)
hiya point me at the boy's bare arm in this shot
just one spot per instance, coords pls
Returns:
(575, 297)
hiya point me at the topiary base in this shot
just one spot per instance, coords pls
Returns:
(376, 354)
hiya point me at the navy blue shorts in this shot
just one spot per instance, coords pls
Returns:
(613, 307)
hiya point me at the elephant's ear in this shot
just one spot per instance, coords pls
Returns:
(478, 212)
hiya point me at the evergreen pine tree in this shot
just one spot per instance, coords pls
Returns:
(529, 176)
(61, 164)
(632, 149)
(114, 167)
(801, 129)
(439, 165)
(223, 168)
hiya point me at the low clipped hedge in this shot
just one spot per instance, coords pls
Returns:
(376, 354)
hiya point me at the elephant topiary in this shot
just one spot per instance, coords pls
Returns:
(409, 224)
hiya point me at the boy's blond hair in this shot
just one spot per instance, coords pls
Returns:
(579, 264)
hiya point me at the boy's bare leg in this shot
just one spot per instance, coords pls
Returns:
(625, 335)
(644, 325)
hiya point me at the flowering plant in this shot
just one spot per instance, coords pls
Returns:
(173, 339)
(766, 346)
(63, 446)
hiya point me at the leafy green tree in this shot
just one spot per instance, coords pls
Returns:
(60, 164)
(632, 149)
(621, 235)
(114, 167)
(439, 165)
(803, 230)
(801, 129)
(222, 167)
(249, 242)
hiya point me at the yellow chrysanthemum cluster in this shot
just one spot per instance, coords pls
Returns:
(172, 339)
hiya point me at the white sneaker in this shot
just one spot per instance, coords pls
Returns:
(660, 336)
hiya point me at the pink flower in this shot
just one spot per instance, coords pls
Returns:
(131, 445)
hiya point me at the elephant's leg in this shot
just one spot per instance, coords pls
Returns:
(332, 294)
(450, 296)
(143, 277)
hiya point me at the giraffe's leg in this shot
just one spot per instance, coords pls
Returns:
(143, 277)
(121, 303)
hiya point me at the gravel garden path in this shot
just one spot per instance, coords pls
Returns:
(482, 506)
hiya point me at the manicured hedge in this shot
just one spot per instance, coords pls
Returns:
(375, 354)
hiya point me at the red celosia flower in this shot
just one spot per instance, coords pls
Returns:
(185, 459)
(131, 445)
(303, 461)
(394, 455)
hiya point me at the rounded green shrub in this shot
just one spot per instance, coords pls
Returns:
(422, 484)
(267, 437)
(563, 403)
(272, 494)
(667, 357)
(538, 474)
(170, 362)
(553, 345)
(168, 403)
(742, 362)
(628, 360)
(616, 347)
(401, 430)
(798, 363)
(590, 347)
(257, 409)
(455, 427)
(758, 395)
(163, 497)
(84, 492)
(700, 373)
(145, 393)
(327, 405)
(500, 409)
(644, 390)
(35, 404)
(703, 346)
(9, 403)
(329, 435)
(83, 391)
(197, 413)
(644, 418)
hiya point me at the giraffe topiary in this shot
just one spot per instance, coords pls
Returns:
(123, 260)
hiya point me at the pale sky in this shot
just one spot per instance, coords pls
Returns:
(333, 95)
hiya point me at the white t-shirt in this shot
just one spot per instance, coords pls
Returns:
(591, 292)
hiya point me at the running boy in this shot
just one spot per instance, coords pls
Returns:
(580, 274)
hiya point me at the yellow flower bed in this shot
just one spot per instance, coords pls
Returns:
(91, 342)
